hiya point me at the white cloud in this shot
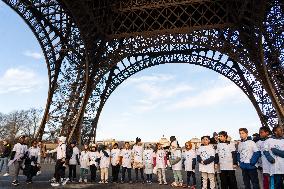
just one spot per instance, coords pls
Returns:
(211, 96)
(20, 80)
(157, 90)
(34, 55)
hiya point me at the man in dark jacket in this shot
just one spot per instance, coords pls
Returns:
(4, 157)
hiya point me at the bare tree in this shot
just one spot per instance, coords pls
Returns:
(20, 122)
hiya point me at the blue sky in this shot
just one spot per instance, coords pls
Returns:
(173, 99)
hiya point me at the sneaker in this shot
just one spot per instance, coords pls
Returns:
(106, 182)
(101, 182)
(165, 183)
(65, 181)
(80, 180)
(52, 180)
(15, 183)
(174, 184)
(160, 183)
(38, 173)
(85, 180)
(6, 174)
(55, 184)
(29, 182)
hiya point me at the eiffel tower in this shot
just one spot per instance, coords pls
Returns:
(92, 46)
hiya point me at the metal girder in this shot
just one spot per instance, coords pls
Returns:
(215, 61)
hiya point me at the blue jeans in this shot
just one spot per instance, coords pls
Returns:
(278, 181)
(4, 164)
(250, 176)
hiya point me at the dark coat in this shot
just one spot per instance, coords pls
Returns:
(6, 151)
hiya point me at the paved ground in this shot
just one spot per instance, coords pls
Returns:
(41, 182)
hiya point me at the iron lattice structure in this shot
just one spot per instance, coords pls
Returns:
(92, 46)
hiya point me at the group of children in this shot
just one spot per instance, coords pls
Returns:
(216, 159)
(26, 159)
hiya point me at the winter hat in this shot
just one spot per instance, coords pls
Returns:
(73, 142)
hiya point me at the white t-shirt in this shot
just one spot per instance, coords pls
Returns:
(114, 155)
(148, 155)
(175, 154)
(263, 162)
(60, 150)
(105, 161)
(84, 159)
(188, 156)
(246, 150)
(76, 152)
(224, 151)
(278, 166)
(93, 156)
(126, 158)
(160, 159)
(205, 152)
(138, 153)
(34, 152)
(20, 150)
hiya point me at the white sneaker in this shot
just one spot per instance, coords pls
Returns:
(6, 174)
(52, 180)
(38, 173)
(65, 181)
(55, 184)
(101, 182)
(80, 180)
(85, 180)
(106, 182)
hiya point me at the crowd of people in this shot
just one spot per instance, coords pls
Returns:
(216, 159)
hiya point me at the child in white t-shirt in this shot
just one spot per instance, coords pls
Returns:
(176, 162)
(274, 152)
(263, 163)
(32, 162)
(104, 164)
(17, 158)
(84, 163)
(226, 156)
(148, 156)
(115, 159)
(74, 154)
(60, 162)
(189, 159)
(206, 157)
(248, 155)
(94, 156)
(160, 164)
(126, 162)
(137, 152)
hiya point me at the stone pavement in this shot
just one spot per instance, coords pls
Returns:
(41, 182)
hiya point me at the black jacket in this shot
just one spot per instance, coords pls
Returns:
(6, 151)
